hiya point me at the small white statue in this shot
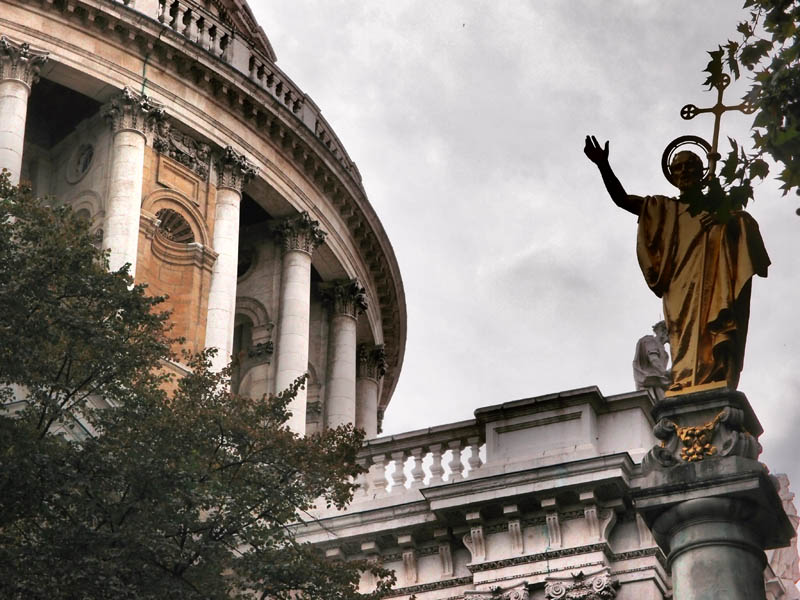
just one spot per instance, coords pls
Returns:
(650, 363)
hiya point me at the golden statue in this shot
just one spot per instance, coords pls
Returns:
(701, 268)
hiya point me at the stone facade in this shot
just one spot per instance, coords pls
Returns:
(215, 179)
(221, 185)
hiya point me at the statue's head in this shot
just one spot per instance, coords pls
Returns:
(686, 170)
(660, 330)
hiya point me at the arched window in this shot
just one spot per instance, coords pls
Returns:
(174, 227)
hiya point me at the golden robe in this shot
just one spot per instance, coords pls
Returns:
(703, 275)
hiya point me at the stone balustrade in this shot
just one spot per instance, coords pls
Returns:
(264, 72)
(199, 26)
(422, 458)
(530, 499)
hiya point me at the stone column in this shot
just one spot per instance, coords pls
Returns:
(346, 300)
(131, 116)
(716, 550)
(19, 70)
(710, 504)
(300, 236)
(370, 368)
(233, 171)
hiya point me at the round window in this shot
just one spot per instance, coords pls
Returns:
(80, 162)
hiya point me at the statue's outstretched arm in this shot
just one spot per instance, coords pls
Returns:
(599, 156)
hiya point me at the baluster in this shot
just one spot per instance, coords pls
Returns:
(361, 478)
(227, 49)
(163, 10)
(417, 472)
(437, 470)
(177, 24)
(474, 461)
(253, 67)
(202, 35)
(399, 475)
(455, 464)
(377, 475)
(216, 44)
(191, 27)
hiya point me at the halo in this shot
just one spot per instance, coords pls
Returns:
(677, 145)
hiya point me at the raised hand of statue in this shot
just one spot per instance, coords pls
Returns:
(594, 152)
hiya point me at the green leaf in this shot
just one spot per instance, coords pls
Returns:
(731, 60)
(753, 53)
(759, 168)
(714, 67)
(731, 163)
(745, 28)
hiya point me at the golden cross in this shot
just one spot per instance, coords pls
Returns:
(690, 111)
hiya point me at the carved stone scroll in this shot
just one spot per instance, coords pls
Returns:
(183, 148)
(371, 361)
(233, 170)
(345, 296)
(301, 233)
(131, 111)
(724, 435)
(580, 586)
(18, 61)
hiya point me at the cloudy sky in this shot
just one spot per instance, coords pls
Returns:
(467, 121)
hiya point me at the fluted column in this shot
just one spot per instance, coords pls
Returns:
(346, 300)
(370, 368)
(19, 70)
(233, 171)
(300, 236)
(131, 116)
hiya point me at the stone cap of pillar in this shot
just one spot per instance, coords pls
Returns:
(233, 170)
(371, 361)
(300, 233)
(129, 111)
(18, 61)
(345, 296)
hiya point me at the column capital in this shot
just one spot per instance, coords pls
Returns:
(18, 61)
(233, 170)
(345, 296)
(371, 361)
(300, 232)
(131, 111)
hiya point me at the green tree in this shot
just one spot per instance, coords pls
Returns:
(768, 47)
(117, 481)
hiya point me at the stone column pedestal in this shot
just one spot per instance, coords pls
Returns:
(131, 116)
(19, 70)
(233, 170)
(711, 506)
(370, 368)
(300, 236)
(346, 300)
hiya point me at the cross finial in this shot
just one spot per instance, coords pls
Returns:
(690, 111)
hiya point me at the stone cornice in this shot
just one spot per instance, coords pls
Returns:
(267, 101)
(19, 61)
(345, 297)
(129, 111)
(233, 170)
(300, 233)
